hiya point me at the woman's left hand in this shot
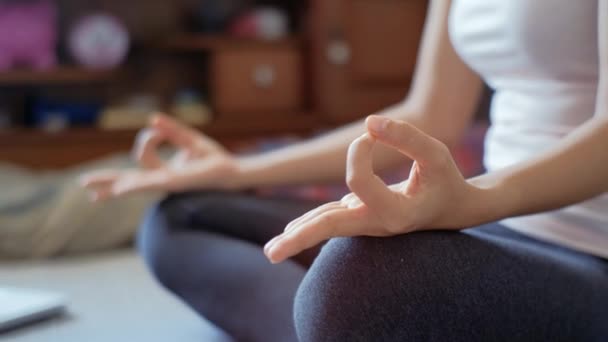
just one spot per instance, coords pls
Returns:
(436, 195)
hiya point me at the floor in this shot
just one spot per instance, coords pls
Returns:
(112, 298)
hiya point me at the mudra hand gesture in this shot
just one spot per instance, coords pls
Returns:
(435, 195)
(199, 163)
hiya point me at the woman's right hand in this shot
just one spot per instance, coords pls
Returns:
(199, 162)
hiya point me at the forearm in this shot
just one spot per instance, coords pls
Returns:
(439, 105)
(317, 160)
(571, 172)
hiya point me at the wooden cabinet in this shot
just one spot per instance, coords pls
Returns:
(263, 80)
(364, 54)
(383, 36)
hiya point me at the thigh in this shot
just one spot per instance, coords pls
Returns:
(204, 247)
(484, 284)
(243, 216)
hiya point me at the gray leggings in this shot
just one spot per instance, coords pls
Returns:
(483, 284)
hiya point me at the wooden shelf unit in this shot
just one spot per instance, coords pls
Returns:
(354, 58)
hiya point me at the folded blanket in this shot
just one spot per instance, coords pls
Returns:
(45, 214)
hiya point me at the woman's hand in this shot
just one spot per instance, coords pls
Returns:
(199, 162)
(435, 196)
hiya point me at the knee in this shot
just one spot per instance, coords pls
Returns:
(325, 307)
(156, 240)
(365, 288)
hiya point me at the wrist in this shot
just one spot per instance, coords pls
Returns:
(494, 199)
(469, 206)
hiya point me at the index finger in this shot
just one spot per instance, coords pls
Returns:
(175, 132)
(362, 180)
(146, 148)
(405, 138)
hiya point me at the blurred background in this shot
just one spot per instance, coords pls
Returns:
(78, 79)
(91, 71)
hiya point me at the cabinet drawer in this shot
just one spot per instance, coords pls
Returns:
(264, 79)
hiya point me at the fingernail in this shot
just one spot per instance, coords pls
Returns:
(377, 123)
(271, 253)
(270, 243)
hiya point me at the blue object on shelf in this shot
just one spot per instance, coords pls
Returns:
(48, 113)
(215, 15)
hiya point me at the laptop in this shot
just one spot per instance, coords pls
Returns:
(22, 306)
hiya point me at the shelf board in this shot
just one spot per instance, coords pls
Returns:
(207, 42)
(59, 75)
(43, 150)
(222, 129)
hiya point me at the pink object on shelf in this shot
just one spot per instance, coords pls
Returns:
(28, 34)
(263, 23)
(99, 41)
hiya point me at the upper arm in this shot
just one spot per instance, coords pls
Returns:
(445, 91)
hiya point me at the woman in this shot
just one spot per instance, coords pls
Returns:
(413, 272)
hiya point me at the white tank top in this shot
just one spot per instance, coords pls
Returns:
(541, 57)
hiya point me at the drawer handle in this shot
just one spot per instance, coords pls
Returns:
(264, 75)
(338, 52)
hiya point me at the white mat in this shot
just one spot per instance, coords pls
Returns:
(112, 298)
